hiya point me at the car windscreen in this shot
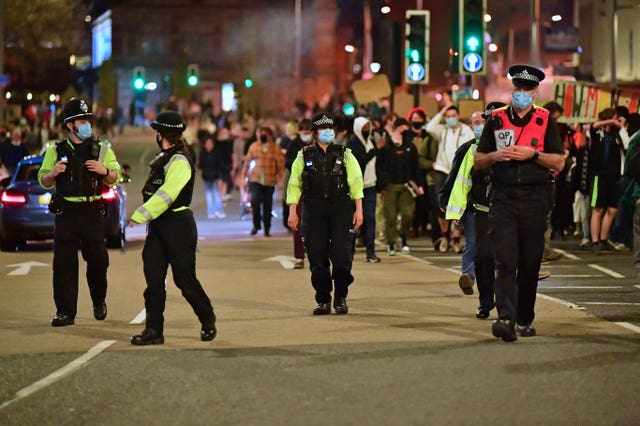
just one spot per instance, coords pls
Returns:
(27, 172)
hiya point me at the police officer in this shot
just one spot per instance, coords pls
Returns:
(330, 178)
(519, 143)
(171, 234)
(79, 167)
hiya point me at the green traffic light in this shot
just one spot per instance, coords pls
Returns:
(473, 43)
(192, 80)
(414, 55)
(138, 83)
(248, 82)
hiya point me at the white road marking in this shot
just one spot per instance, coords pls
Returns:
(629, 326)
(455, 271)
(637, 286)
(24, 267)
(567, 254)
(458, 257)
(286, 261)
(139, 319)
(60, 373)
(614, 274)
(575, 276)
(560, 301)
(581, 287)
(611, 303)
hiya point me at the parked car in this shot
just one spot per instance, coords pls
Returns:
(24, 212)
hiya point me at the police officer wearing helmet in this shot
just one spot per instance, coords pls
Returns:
(171, 234)
(519, 143)
(329, 177)
(80, 167)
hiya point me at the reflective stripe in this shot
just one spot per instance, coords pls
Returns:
(465, 180)
(144, 212)
(80, 199)
(594, 193)
(175, 157)
(455, 209)
(481, 208)
(164, 196)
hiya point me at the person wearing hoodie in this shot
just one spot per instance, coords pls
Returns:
(365, 151)
(450, 136)
(402, 182)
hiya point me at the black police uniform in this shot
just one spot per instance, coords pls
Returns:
(328, 215)
(517, 219)
(78, 225)
(171, 239)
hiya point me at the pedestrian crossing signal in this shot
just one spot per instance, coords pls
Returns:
(193, 75)
(417, 47)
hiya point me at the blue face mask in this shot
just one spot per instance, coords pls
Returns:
(477, 131)
(326, 135)
(451, 121)
(84, 131)
(522, 100)
(305, 137)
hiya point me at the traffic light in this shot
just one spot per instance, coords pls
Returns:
(472, 50)
(416, 55)
(248, 83)
(138, 78)
(193, 75)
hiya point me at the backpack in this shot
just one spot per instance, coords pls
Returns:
(632, 164)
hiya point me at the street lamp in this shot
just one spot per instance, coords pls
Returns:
(349, 48)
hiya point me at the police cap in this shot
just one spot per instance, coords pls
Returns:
(490, 107)
(76, 108)
(321, 120)
(526, 76)
(168, 122)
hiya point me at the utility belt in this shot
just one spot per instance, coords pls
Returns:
(59, 204)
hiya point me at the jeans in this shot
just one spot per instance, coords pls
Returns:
(261, 196)
(469, 252)
(369, 213)
(213, 197)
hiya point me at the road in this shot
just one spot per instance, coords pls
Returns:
(409, 352)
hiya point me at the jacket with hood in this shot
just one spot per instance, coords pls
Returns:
(365, 151)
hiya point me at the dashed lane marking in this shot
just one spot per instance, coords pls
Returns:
(560, 301)
(607, 271)
(581, 287)
(60, 373)
(610, 303)
(567, 254)
(575, 276)
(139, 319)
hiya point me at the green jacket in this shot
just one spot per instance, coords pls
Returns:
(632, 191)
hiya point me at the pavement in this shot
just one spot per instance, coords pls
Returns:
(409, 352)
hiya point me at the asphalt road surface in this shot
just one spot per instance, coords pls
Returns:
(409, 352)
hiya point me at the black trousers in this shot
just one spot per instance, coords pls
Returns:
(484, 264)
(261, 197)
(79, 228)
(517, 221)
(171, 240)
(328, 242)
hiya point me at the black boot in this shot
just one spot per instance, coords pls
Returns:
(148, 337)
(208, 332)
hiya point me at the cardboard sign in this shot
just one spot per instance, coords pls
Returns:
(582, 101)
(466, 107)
(371, 90)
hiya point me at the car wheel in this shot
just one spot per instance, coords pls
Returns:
(8, 245)
(116, 241)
